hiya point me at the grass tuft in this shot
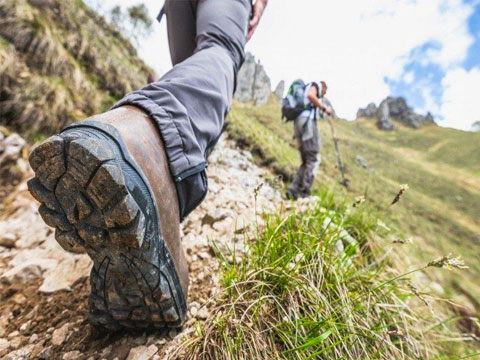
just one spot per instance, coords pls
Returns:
(308, 290)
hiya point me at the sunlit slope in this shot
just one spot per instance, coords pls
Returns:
(60, 62)
(441, 210)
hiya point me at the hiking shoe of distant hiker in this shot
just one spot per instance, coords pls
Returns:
(100, 202)
(291, 195)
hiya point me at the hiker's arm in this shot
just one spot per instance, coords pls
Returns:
(258, 9)
(312, 96)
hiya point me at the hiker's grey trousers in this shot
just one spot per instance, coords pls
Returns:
(190, 102)
(310, 155)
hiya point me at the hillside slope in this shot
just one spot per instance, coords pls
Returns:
(441, 166)
(60, 62)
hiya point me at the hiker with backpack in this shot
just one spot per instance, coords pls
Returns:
(303, 105)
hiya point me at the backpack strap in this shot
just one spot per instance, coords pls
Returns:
(313, 83)
(161, 13)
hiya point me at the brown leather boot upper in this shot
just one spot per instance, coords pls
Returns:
(145, 144)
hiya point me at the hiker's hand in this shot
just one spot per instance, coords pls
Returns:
(258, 9)
(329, 110)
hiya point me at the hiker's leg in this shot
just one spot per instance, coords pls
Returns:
(311, 169)
(106, 184)
(311, 153)
(181, 28)
(295, 187)
(190, 102)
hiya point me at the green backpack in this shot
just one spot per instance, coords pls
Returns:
(294, 102)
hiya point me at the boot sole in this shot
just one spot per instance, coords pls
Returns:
(99, 202)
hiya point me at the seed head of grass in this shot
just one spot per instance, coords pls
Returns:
(400, 193)
(448, 262)
(359, 200)
(408, 241)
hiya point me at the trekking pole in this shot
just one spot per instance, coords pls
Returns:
(339, 159)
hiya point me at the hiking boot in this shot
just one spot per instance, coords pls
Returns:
(105, 185)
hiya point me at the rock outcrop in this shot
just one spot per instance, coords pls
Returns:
(369, 112)
(279, 90)
(395, 109)
(253, 82)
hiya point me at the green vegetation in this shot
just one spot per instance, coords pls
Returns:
(135, 22)
(61, 63)
(326, 309)
(298, 294)
(441, 166)
(306, 291)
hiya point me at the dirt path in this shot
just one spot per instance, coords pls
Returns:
(44, 290)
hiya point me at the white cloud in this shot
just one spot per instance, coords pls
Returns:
(409, 77)
(353, 45)
(460, 103)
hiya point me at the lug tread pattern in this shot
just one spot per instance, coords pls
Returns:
(81, 186)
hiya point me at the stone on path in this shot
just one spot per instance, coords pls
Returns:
(59, 335)
(142, 352)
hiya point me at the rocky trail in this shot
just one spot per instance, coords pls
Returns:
(44, 290)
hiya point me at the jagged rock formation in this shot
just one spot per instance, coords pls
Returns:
(60, 62)
(280, 90)
(394, 109)
(383, 114)
(253, 82)
(369, 112)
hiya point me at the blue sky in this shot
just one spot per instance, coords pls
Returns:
(425, 50)
(421, 82)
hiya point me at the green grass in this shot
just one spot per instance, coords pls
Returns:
(358, 303)
(297, 295)
(441, 166)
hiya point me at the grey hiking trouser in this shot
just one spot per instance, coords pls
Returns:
(310, 154)
(190, 102)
